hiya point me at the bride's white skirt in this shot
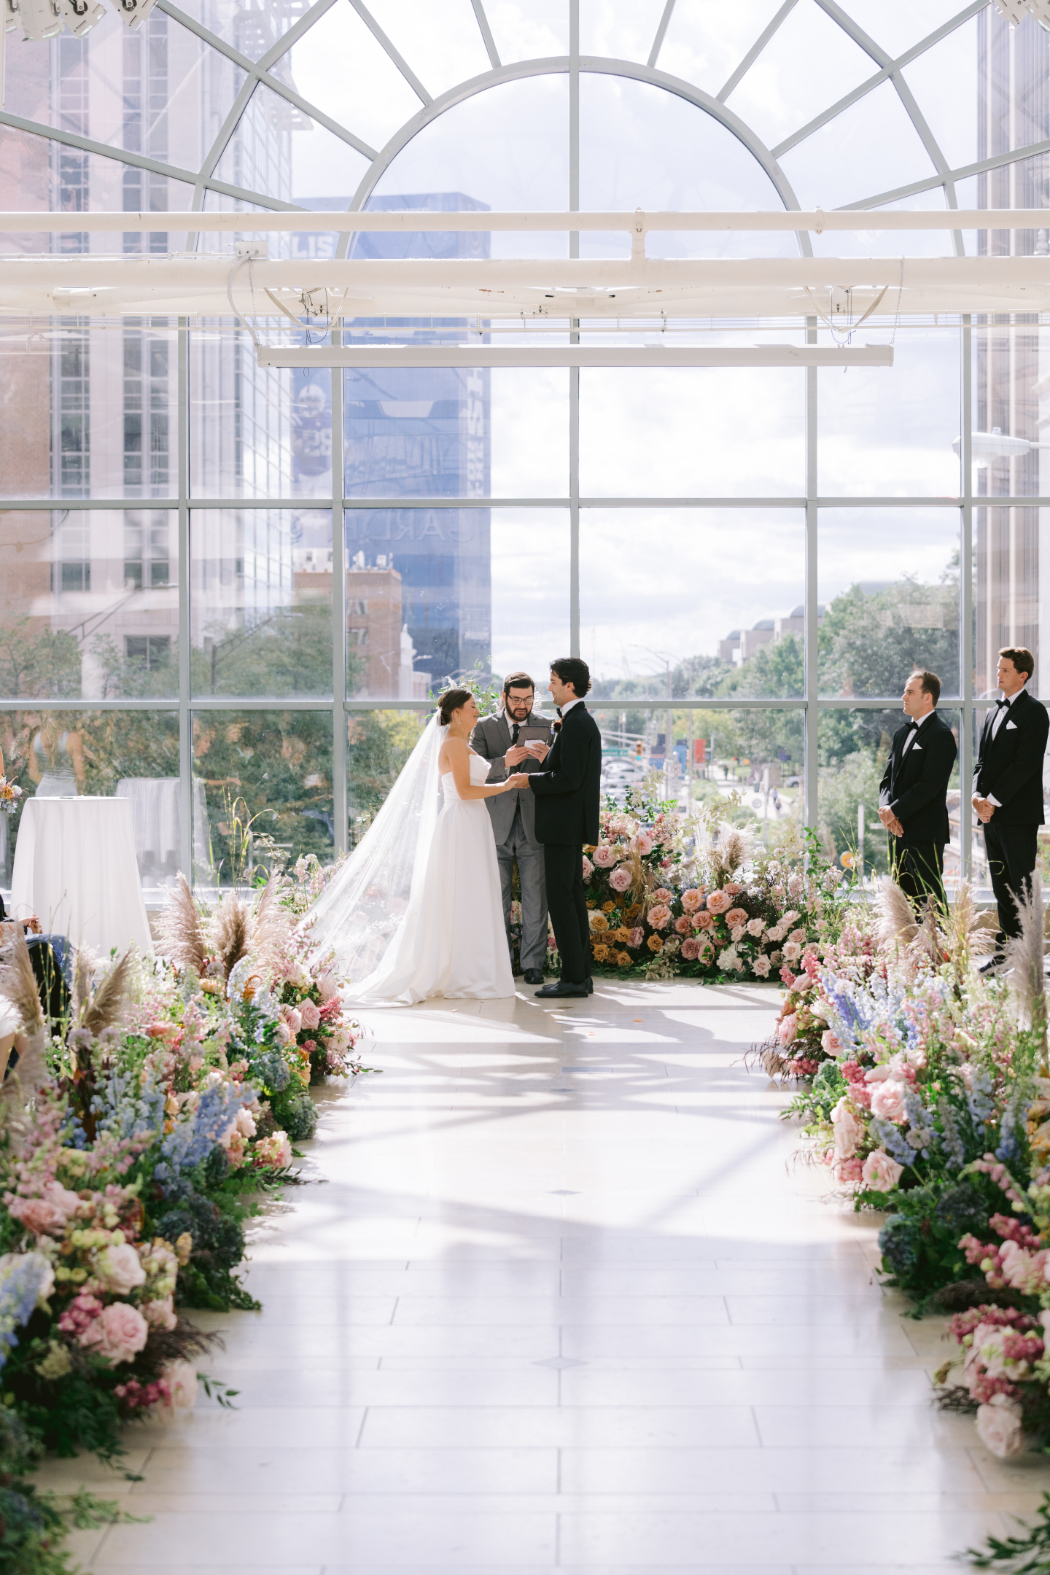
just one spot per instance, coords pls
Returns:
(452, 941)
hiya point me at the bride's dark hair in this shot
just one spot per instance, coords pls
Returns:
(451, 701)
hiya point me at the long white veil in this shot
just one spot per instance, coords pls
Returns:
(359, 912)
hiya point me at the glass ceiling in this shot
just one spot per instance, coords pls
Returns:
(859, 104)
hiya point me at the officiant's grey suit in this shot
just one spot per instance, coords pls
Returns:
(514, 828)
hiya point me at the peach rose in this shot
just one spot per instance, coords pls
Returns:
(734, 888)
(661, 894)
(736, 917)
(755, 927)
(691, 949)
(719, 901)
(703, 921)
(588, 867)
(759, 966)
(692, 900)
(636, 936)
(641, 843)
(830, 1042)
(684, 924)
(659, 916)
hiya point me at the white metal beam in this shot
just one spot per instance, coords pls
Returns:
(638, 222)
(572, 355)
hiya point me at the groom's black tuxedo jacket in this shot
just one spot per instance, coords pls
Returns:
(568, 792)
(1010, 765)
(915, 784)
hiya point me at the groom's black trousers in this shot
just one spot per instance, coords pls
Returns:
(567, 906)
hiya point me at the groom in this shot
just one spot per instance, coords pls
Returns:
(568, 794)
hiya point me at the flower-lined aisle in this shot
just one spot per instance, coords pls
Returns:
(136, 1139)
(927, 1095)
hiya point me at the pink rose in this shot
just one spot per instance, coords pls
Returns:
(719, 901)
(736, 917)
(787, 1028)
(690, 949)
(161, 1313)
(692, 900)
(999, 1427)
(311, 1017)
(887, 1101)
(760, 966)
(847, 1170)
(880, 1172)
(848, 1130)
(328, 987)
(604, 856)
(641, 843)
(661, 894)
(703, 921)
(755, 927)
(792, 950)
(660, 916)
(292, 1019)
(830, 1043)
(117, 1334)
(636, 936)
(120, 1270)
(588, 868)
(684, 924)
(620, 880)
(39, 1216)
(733, 889)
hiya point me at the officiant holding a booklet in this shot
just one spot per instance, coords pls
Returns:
(518, 740)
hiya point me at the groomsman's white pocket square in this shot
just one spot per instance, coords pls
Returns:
(916, 749)
(1010, 725)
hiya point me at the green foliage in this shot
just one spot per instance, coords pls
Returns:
(856, 781)
(920, 1241)
(1025, 1555)
(34, 1524)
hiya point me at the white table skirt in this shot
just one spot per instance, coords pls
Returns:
(156, 815)
(75, 869)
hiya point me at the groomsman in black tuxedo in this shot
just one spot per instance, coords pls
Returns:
(568, 795)
(913, 803)
(1008, 788)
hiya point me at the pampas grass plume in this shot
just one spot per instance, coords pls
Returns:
(1024, 956)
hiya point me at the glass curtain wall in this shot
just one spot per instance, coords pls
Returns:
(230, 594)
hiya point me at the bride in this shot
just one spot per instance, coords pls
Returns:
(416, 909)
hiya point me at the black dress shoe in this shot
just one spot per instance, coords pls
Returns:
(534, 976)
(589, 982)
(562, 988)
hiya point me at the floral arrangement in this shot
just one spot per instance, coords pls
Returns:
(10, 793)
(927, 1096)
(672, 896)
(135, 1139)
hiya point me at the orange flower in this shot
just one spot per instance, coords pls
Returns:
(599, 953)
(599, 923)
(655, 943)
(623, 959)
(607, 907)
(633, 911)
(621, 935)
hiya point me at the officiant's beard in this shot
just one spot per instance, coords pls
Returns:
(518, 710)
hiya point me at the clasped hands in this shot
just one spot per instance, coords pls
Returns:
(984, 807)
(890, 821)
(537, 750)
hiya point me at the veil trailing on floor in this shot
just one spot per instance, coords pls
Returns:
(359, 912)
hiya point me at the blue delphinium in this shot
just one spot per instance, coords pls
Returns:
(951, 1138)
(892, 1139)
(128, 1107)
(980, 1097)
(197, 1131)
(21, 1282)
(921, 1136)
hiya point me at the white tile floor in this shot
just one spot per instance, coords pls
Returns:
(562, 1299)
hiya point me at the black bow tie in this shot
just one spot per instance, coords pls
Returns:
(1001, 703)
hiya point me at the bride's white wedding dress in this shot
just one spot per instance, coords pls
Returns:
(417, 910)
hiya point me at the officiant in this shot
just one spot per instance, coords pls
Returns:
(503, 739)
